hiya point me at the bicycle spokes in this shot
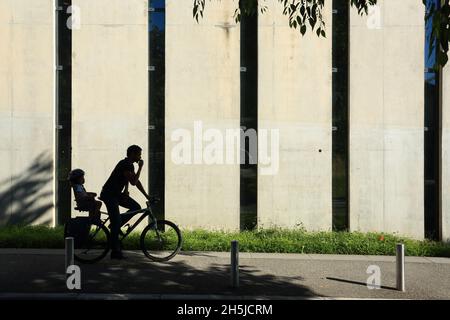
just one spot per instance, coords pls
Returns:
(94, 246)
(161, 242)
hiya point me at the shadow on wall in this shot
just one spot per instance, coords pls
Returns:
(26, 198)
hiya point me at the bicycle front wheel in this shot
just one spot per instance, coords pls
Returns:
(161, 243)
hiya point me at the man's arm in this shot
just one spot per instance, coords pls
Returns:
(132, 177)
(141, 189)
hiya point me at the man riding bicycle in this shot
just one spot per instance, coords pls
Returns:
(115, 194)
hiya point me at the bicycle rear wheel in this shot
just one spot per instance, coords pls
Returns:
(161, 243)
(95, 246)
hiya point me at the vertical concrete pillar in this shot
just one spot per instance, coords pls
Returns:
(387, 119)
(202, 92)
(445, 160)
(110, 87)
(26, 111)
(295, 97)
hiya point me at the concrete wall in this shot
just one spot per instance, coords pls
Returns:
(387, 120)
(445, 165)
(26, 111)
(110, 112)
(110, 87)
(295, 98)
(202, 84)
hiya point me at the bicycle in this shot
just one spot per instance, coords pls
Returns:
(160, 240)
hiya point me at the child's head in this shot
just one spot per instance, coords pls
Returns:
(76, 176)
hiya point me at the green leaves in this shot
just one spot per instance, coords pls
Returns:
(199, 7)
(363, 5)
(304, 14)
(440, 31)
(303, 30)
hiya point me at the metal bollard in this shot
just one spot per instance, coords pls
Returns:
(235, 264)
(400, 267)
(69, 252)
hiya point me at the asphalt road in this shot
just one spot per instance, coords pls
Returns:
(39, 273)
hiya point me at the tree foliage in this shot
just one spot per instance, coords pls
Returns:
(307, 14)
(440, 30)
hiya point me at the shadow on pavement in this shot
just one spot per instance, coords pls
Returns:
(44, 273)
(358, 283)
(177, 277)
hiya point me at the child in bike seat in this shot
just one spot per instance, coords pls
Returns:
(85, 200)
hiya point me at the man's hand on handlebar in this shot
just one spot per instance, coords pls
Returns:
(152, 199)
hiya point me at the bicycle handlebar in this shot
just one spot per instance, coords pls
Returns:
(152, 200)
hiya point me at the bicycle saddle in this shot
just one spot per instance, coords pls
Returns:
(81, 210)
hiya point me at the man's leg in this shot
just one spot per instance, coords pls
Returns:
(112, 205)
(131, 205)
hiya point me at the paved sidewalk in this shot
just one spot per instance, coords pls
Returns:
(40, 274)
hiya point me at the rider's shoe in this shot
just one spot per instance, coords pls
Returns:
(118, 255)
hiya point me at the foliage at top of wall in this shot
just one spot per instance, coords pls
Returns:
(305, 14)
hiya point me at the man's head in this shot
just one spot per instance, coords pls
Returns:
(134, 153)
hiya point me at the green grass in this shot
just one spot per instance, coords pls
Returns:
(273, 240)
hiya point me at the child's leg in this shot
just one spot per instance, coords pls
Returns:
(94, 213)
(98, 205)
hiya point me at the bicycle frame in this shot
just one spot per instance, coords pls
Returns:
(153, 226)
(146, 212)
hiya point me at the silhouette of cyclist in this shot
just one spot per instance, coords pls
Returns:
(115, 193)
